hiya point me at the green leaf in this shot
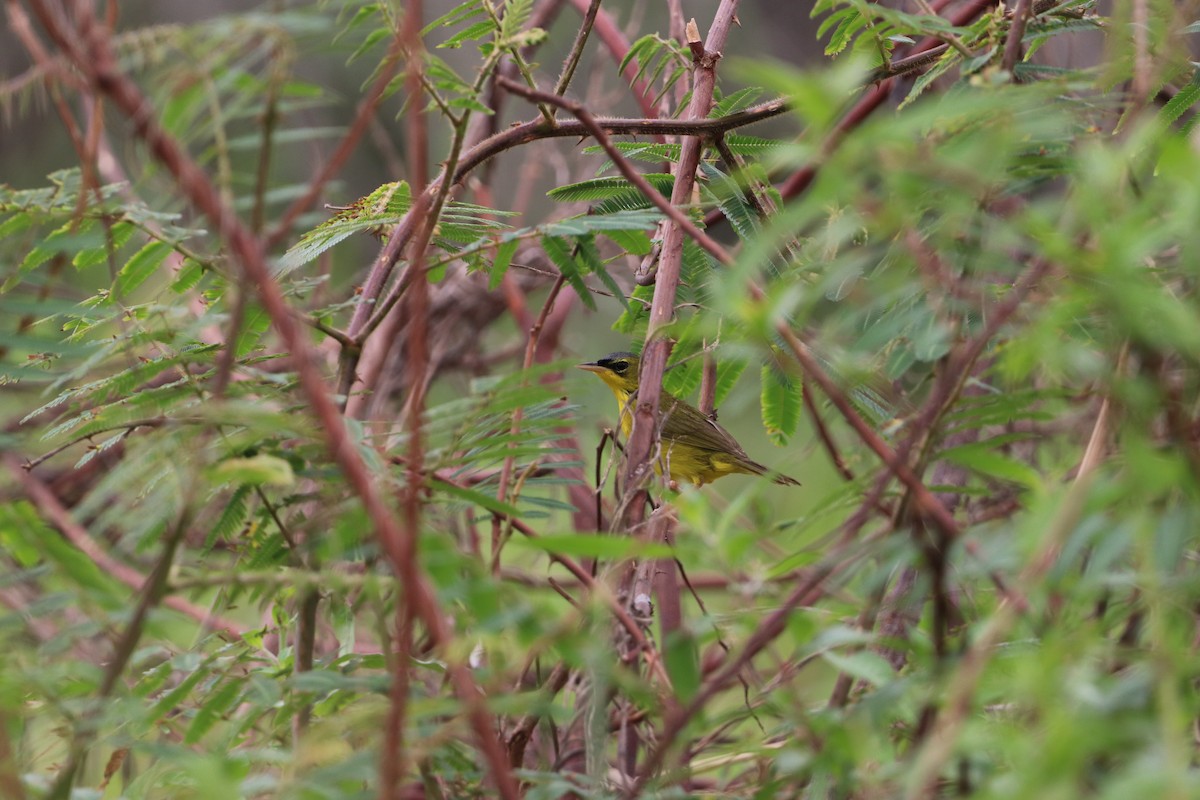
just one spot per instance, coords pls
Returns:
(15, 224)
(728, 372)
(459, 13)
(1184, 99)
(213, 709)
(737, 101)
(478, 498)
(637, 312)
(516, 15)
(68, 238)
(118, 234)
(141, 266)
(608, 187)
(781, 404)
(863, 665)
(983, 459)
(469, 33)
(685, 372)
(590, 257)
(259, 470)
(681, 657)
(504, 255)
(232, 518)
(172, 699)
(634, 242)
(559, 251)
(188, 276)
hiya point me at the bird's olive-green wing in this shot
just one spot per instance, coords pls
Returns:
(685, 425)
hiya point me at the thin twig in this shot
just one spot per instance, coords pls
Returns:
(806, 592)
(873, 99)
(618, 47)
(948, 37)
(597, 590)
(536, 130)
(523, 731)
(151, 594)
(581, 37)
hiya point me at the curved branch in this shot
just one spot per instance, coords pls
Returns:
(532, 131)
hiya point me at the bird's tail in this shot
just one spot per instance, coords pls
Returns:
(756, 468)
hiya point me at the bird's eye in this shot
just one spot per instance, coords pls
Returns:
(620, 366)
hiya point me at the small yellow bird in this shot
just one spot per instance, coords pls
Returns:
(694, 447)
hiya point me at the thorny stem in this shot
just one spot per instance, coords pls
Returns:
(581, 37)
(1012, 44)
(662, 310)
(519, 62)
(527, 132)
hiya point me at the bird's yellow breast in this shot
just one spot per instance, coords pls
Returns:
(624, 408)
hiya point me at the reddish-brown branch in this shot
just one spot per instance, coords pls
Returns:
(927, 502)
(535, 130)
(628, 623)
(823, 433)
(403, 551)
(665, 580)
(642, 438)
(523, 732)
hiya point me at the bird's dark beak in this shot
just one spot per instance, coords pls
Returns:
(590, 366)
